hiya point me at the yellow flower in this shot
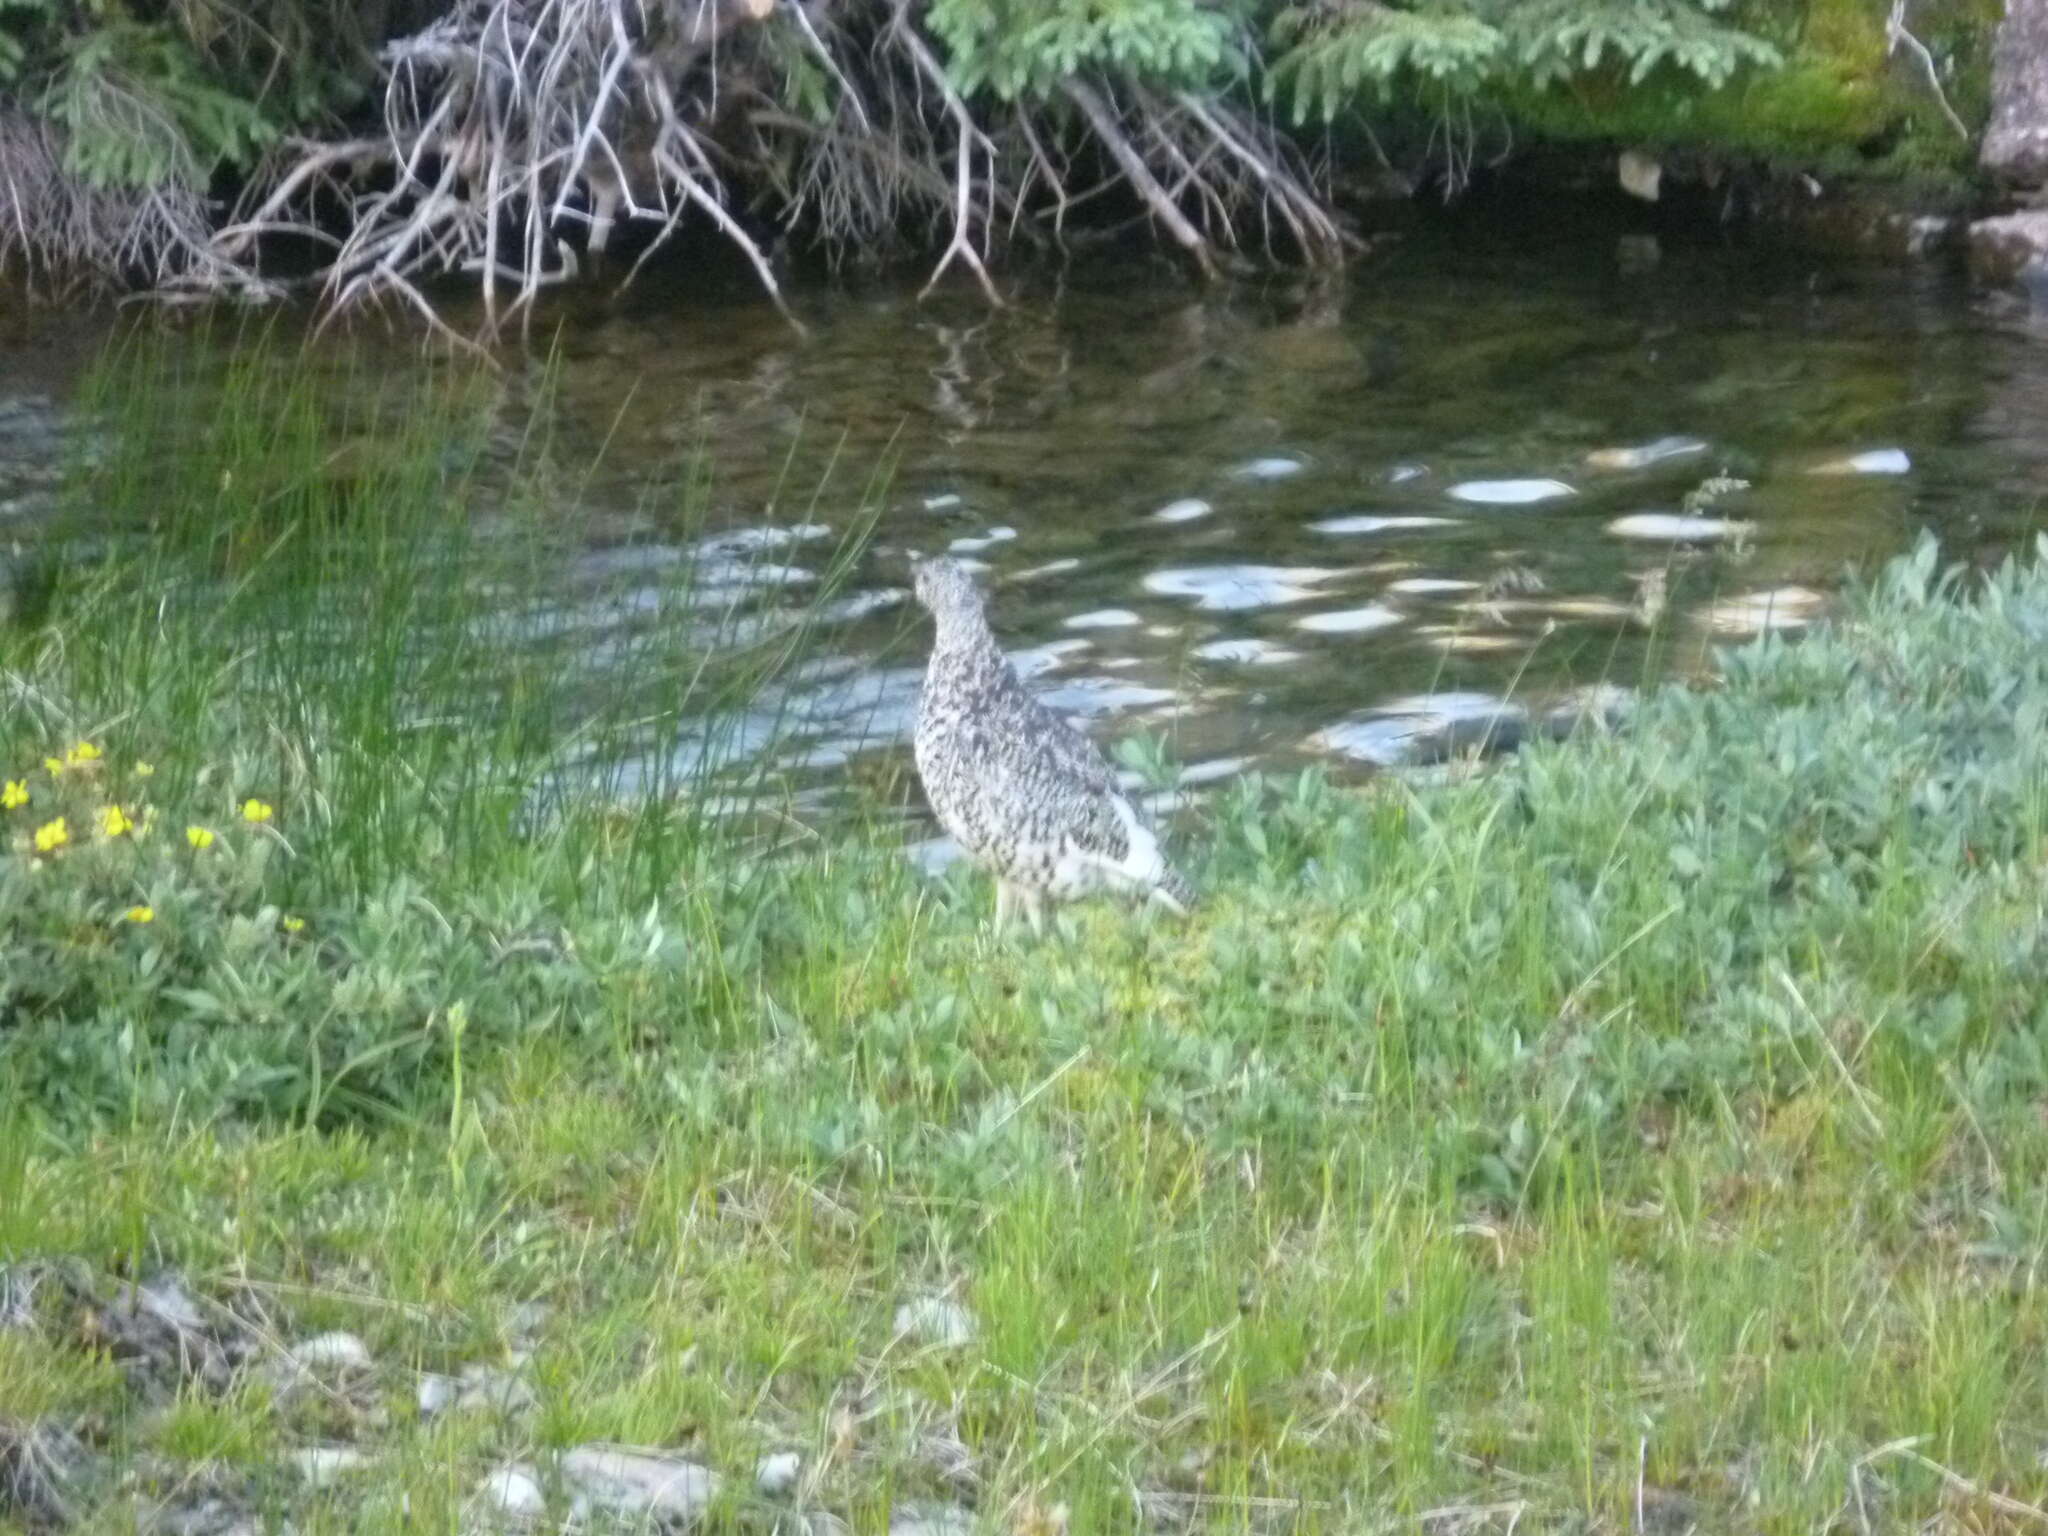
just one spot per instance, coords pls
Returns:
(52, 835)
(255, 810)
(144, 770)
(293, 924)
(85, 752)
(55, 765)
(114, 822)
(199, 838)
(140, 914)
(13, 794)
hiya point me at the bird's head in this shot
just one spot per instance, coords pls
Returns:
(945, 588)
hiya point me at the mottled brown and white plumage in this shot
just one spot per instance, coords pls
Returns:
(1022, 792)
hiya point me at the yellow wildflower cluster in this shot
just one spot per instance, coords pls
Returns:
(76, 800)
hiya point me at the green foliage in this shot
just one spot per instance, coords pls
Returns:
(1331, 56)
(1025, 48)
(143, 97)
(139, 107)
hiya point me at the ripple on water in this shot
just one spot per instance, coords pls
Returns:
(1431, 586)
(1368, 523)
(974, 543)
(1875, 461)
(1092, 696)
(1248, 652)
(746, 541)
(1643, 455)
(1104, 618)
(1678, 528)
(1424, 728)
(1186, 510)
(1276, 467)
(1510, 493)
(1234, 588)
(1752, 613)
(1033, 661)
(1351, 621)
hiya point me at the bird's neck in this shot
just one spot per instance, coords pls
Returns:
(963, 633)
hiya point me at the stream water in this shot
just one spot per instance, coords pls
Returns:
(1291, 521)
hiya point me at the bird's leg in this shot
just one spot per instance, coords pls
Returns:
(1034, 912)
(1004, 897)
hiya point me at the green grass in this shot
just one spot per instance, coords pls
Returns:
(1648, 1133)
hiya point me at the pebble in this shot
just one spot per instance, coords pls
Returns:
(1186, 510)
(321, 1465)
(776, 1473)
(1678, 528)
(636, 1483)
(1510, 493)
(513, 1489)
(935, 1320)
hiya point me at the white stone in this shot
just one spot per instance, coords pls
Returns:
(935, 1320)
(321, 1465)
(637, 1483)
(514, 1490)
(776, 1473)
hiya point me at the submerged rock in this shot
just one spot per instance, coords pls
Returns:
(2012, 248)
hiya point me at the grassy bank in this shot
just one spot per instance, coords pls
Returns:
(1648, 1134)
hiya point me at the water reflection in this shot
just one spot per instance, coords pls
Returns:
(1284, 523)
